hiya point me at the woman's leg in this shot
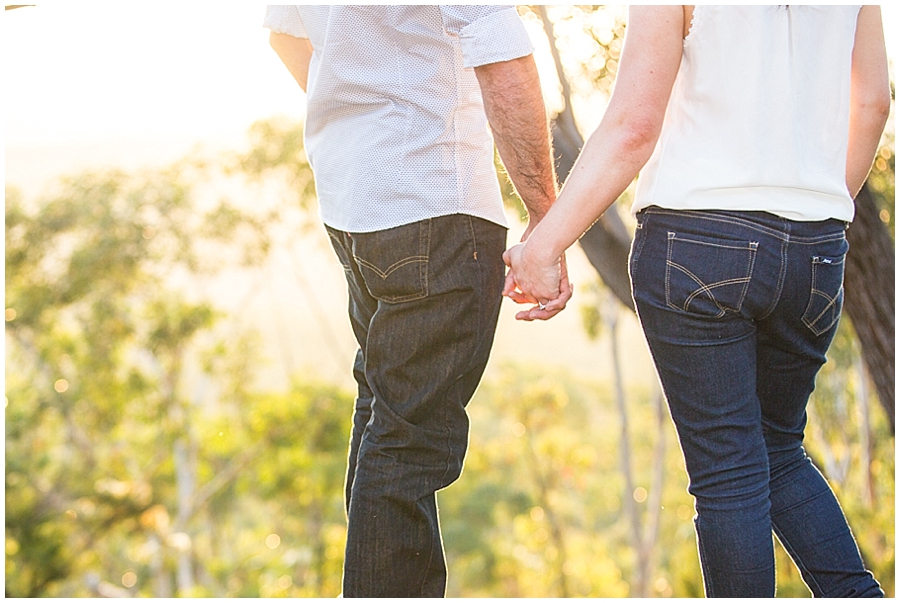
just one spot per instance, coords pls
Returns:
(710, 390)
(805, 514)
(690, 281)
(686, 271)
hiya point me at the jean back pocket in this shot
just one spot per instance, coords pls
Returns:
(826, 293)
(394, 262)
(708, 275)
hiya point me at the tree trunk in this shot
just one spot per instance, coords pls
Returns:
(185, 481)
(869, 295)
(641, 578)
(607, 242)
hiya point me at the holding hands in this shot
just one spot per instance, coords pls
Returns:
(533, 279)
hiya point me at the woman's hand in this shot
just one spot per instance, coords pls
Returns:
(532, 280)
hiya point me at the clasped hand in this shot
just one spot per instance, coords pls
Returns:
(532, 280)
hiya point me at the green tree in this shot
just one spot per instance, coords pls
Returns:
(120, 479)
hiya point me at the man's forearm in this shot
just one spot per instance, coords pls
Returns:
(515, 110)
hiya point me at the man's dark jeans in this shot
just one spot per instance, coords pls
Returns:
(739, 309)
(424, 303)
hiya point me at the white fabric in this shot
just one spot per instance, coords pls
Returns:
(758, 116)
(395, 126)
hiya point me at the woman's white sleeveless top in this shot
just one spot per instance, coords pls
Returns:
(759, 114)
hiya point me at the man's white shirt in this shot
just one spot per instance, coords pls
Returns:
(395, 124)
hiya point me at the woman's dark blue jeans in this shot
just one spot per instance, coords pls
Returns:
(738, 309)
(424, 303)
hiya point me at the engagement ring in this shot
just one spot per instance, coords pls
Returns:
(541, 306)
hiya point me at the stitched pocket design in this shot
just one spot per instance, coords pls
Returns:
(394, 262)
(708, 276)
(827, 293)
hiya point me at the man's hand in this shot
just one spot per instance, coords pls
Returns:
(533, 282)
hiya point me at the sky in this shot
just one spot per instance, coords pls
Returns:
(77, 72)
(81, 71)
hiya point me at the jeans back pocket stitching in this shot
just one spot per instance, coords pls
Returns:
(393, 267)
(832, 301)
(422, 259)
(751, 248)
(708, 290)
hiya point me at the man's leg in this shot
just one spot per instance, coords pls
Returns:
(361, 307)
(437, 285)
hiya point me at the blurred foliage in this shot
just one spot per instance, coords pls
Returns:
(277, 153)
(114, 468)
(590, 40)
(538, 510)
(109, 343)
(137, 444)
(881, 178)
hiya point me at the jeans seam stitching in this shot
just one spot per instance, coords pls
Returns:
(792, 552)
(472, 232)
(639, 246)
(779, 287)
(393, 267)
(754, 246)
(424, 267)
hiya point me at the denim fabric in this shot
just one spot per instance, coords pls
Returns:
(424, 303)
(738, 309)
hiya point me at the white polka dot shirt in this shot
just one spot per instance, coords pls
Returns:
(395, 125)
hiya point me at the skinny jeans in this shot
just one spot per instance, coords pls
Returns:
(738, 309)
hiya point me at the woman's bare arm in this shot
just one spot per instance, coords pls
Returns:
(870, 96)
(614, 153)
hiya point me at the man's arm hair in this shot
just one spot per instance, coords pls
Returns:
(295, 53)
(515, 110)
